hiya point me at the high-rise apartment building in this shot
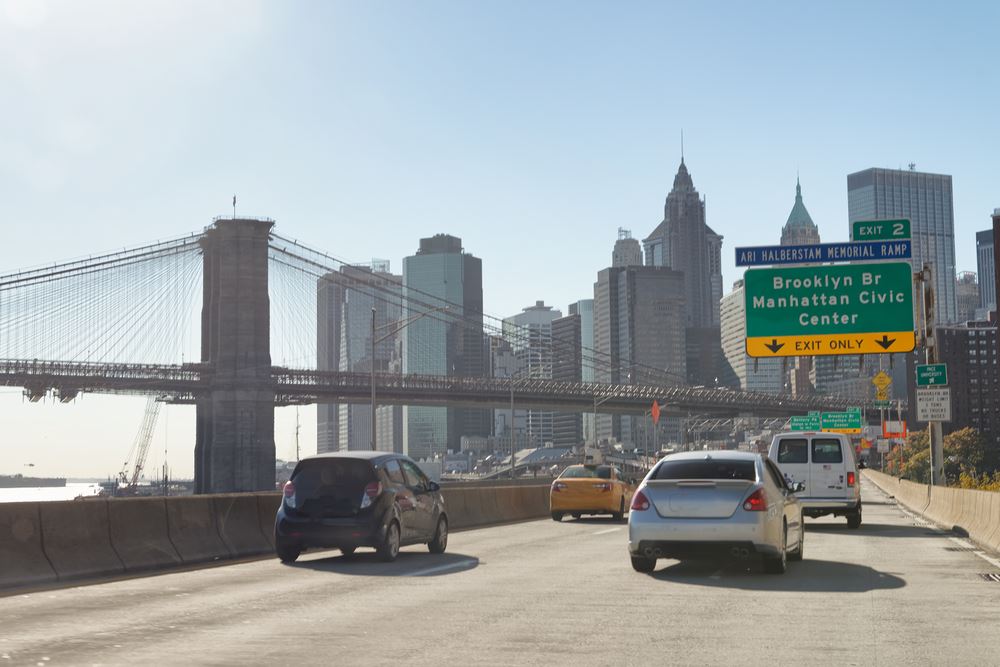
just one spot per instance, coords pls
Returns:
(766, 375)
(345, 299)
(926, 201)
(639, 335)
(685, 243)
(567, 366)
(446, 283)
(986, 269)
(530, 336)
(588, 357)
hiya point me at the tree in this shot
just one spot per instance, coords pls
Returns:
(965, 451)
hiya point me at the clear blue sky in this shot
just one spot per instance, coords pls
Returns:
(531, 130)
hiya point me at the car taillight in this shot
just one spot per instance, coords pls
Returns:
(639, 502)
(756, 502)
(850, 478)
(289, 489)
(558, 486)
(372, 492)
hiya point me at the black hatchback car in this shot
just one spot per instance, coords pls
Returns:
(346, 500)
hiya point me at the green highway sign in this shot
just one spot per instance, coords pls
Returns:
(882, 404)
(853, 411)
(880, 230)
(932, 375)
(828, 310)
(808, 423)
(841, 422)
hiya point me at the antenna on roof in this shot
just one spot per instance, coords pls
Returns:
(913, 166)
(682, 145)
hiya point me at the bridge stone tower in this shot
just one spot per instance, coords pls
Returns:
(234, 441)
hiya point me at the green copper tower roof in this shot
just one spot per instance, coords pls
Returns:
(799, 217)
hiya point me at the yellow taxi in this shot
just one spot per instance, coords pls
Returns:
(589, 489)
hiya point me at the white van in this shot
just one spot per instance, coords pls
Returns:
(826, 464)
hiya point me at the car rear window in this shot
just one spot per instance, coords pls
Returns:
(707, 469)
(827, 450)
(793, 450)
(335, 476)
(598, 472)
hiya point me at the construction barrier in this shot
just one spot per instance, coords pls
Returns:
(22, 560)
(139, 533)
(267, 508)
(76, 536)
(238, 519)
(193, 529)
(969, 511)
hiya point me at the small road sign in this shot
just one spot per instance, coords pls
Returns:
(880, 230)
(882, 395)
(932, 375)
(841, 422)
(881, 380)
(934, 404)
(822, 253)
(883, 445)
(807, 423)
(829, 310)
(894, 429)
(882, 403)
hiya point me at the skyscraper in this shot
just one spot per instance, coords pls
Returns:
(567, 366)
(753, 374)
(446, 283)
(926, 201)
(967, 296)
(345, 300)
(800, 229)
(639, 335)
(585, 309)
(530, 336)
(685, 243)
(986, 269)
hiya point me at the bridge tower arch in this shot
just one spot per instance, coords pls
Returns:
(234, 437)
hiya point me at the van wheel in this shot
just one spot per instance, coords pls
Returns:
(389, 548)
(557, 516)
(854, 520)
(348, 552)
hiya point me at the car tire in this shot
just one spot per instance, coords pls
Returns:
(576, 515)
(854, 520)
(288, 553)
(440, 541)
(778, 564)
(389, 548)
(643, 564)
(557, 516)
(798, 553)
(347, 552)
(620, 514)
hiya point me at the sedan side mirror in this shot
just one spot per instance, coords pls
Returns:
(797, 487)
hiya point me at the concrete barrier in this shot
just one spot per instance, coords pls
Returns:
(139, 533)
(22, 559)
(267, 509)
(76, 537)
(238, 520)
(457, 506)
(193, 529)
(974, 512)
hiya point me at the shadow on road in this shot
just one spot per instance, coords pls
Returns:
(873, 530)
(808, 576)
(596, 520)
(368, 564)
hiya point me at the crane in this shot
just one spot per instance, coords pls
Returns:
(127, 483)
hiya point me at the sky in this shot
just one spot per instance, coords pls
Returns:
(533, 131)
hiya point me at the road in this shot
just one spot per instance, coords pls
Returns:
(894, 592)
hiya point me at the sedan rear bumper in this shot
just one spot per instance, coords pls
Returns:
(738, 550)
(329, 533)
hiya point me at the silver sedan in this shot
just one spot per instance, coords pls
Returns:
(702, 505)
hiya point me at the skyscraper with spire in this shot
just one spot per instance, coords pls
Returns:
(685, 243)
(800, 228)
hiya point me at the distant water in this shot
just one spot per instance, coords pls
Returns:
(34, 494)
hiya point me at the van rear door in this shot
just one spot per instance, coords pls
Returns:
(792, 457)
(829, 468)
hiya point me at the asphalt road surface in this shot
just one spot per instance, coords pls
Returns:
(894, 592)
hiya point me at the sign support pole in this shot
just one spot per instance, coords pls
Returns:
(935, 438)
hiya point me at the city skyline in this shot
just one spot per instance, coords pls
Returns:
(532, 133)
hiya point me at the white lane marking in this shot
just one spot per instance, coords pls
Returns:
(443, 568)
(607, 530)
(977, 551)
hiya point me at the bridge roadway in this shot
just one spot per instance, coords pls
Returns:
(184, 383)
(895, 592)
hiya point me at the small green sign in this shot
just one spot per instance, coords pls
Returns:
(932, 375)
(853, 411)
(882, 404)
(880, 230)
(808, 423)
(846, 422)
